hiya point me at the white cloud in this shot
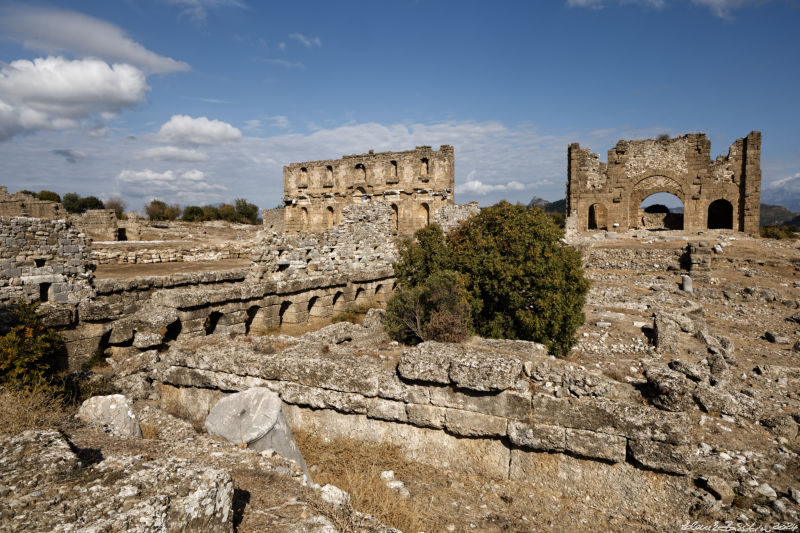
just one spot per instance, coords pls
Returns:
(185, 129)
(281, 46)
(724, 8)
(253, 124)
(183, 187)
(720, 8)
(783, 191)
(280, 121)
(172, 153)
(56, 93)
(482, 189)
(284, 63)
(308, 42)
(56, 31)
(197, 10)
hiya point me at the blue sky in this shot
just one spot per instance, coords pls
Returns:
(202, 101)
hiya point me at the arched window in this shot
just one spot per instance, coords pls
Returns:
(285, 306)
(329, 218)
(424, 166)
(303, 219)
(302, 180)
(720, 215)
(361, 172)
(395, 218)
(328, 176)
(425, 214)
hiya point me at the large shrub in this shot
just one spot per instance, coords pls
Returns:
(436, 309)
(159, 210)
(28, 349)
(519, 280)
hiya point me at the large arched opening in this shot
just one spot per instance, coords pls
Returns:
(720, 215)
(661, 211)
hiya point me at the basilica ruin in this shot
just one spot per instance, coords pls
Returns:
(724, 193)
(415, 183)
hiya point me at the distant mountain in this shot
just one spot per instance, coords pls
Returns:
(776, 215)
(559, 206)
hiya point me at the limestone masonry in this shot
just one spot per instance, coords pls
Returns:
(416, 183)
(721, 194)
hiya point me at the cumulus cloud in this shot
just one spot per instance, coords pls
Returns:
(172, 153)
(185, 129)
(197, 10)
(57, 31)
(308, 42)
(783, 191)
(71, 156)
(184, 187)
(56, 93)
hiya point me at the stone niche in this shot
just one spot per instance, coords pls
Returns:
(416, 183)
(724, 193)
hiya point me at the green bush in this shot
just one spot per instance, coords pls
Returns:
(779, 232)
(192, 213)
(158, 210)
(28, 349)
(247, 212)
(74, 203)
(49, 196)
(519, 280)
(434, 310)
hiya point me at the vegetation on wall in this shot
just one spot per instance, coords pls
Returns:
(507, 263)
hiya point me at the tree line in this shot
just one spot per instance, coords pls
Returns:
(241, 211)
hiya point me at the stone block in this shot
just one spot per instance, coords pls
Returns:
(596, 445)
(540, 437)
(386, 410)
(427, 416)
(660, 456)
(470, 424)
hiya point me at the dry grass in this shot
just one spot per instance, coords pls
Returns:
(354, 314)
(356, 467)
(35, 408)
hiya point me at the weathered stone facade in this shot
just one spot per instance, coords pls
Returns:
(416, 183)
(272, 219)
(24, 205)
(43, 260)
(716, 194)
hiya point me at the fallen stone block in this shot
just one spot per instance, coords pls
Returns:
(596, 445)
(660, 456)
(254, 418)
(112, 412)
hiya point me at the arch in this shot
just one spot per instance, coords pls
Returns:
(395, 218)
(302, 180)
(360, 172)
(330, 218)
(285, 306)
(329, 176)
(425, 213)
(359, 195)
(648, 186)
(173, 330)
(303, 219)
(252, 311)
(424, 166)
(122, 234)
(720, 214)
(598, 217)
(361, 294)
(314, 309)
(44, 292)
(338, 302)
(211, 322)
(392, 172)
(660, 211)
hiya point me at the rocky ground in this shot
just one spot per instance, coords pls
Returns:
(726, 356)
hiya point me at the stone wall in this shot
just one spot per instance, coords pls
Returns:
(272, 219)
(451, 216)
(132, 252)
(415, 183)
(44, 260)
(19, 204)
(484, 408)
(716, 194)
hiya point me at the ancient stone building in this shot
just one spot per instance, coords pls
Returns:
(716, 194)
(416, 183)
(25, 205)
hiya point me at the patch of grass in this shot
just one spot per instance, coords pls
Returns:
(35, 407)
(355, 467)
(355, 313)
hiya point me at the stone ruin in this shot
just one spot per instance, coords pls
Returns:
(716, 194)
(415, 183)
(24, 205)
